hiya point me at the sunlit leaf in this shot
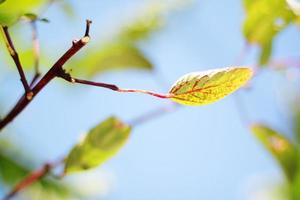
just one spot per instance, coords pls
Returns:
(12, 10)
(99, 145)
(264, 20)
(206, 87)
(115, 56)
(279, 146)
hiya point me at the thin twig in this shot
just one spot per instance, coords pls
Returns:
(113, 87)
(36, 52)
(12, 51)
(52, 73)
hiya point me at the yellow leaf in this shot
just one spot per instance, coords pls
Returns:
(200, 88)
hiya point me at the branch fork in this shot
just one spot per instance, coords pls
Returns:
(54, 71)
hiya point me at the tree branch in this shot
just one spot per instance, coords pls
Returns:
(52, 73)
(12, 51)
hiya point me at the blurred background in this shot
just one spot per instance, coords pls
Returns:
(206, 152)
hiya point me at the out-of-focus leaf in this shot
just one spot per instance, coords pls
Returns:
(11, 172)
(114, 56)
(2, 1)
(12, 10)
(13, 168)
(151, 20)
(68, 8)
(264, 20)
(206, 87)
(100, 144)
(279, 146)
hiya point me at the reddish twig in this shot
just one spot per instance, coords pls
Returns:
(52, 73)
(113, 87)
(31, 178)
(13, 53)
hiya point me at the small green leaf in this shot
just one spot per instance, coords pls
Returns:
(99, 145)
(279, 146)
(206, 87)
(113, 56)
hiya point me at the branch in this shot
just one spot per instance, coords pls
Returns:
(31, 178)
(12, 51)
(36, 52)
(52, 73)
(113, 87)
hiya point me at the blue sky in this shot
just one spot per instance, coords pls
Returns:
(193, 153)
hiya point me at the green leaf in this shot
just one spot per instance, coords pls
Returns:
(113, 56)
(264, 20)
(100, 144)
(279, 146)
(12, 10)
(11, 171)
(200, 88)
